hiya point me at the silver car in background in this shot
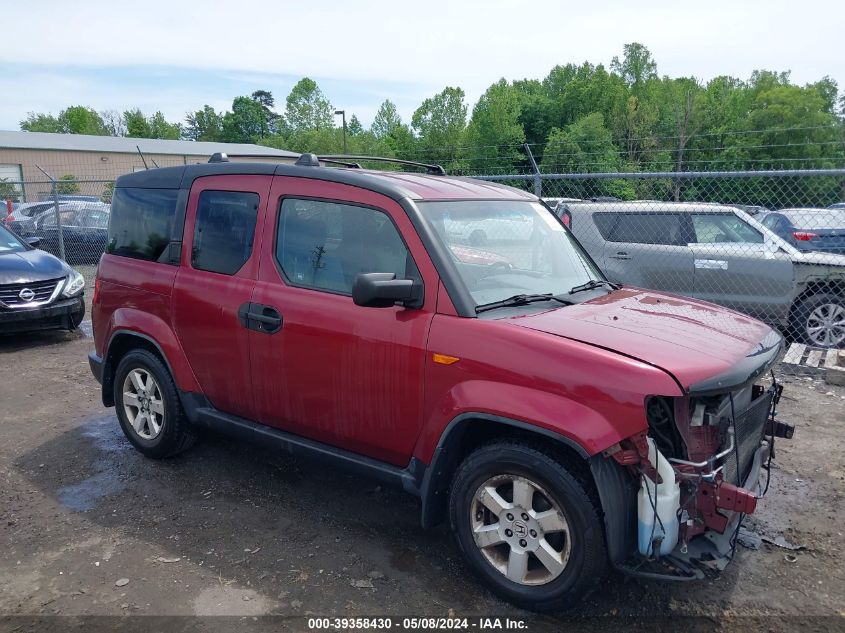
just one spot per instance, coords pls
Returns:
(716, 253)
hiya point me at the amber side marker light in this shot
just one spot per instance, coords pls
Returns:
(443, 359)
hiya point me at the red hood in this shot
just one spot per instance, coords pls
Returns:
(692, 340)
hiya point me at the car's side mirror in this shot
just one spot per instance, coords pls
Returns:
(771, 247)
(383, 290)
(35, 242)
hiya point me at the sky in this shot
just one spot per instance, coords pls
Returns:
(177, 55)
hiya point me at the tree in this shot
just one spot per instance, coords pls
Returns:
(246, 123)
(67, 185)
(136, 123)
(161, 128)
(387, 119)
(140, 126)
(113, 122)
(72, 120)
(585, 146)
(439, 123)
(308, 108)
(354, 127)
(275, 122)
(637, 65)
(40, 122)
(8, 191)
(204, 125)
(494, 132)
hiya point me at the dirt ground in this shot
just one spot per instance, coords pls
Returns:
(90, 527)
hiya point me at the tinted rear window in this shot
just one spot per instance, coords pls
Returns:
(141, 222)
(641, 228)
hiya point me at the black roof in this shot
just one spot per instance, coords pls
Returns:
(393, 184)
(182, 177)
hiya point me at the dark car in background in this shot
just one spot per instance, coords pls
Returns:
(37, 290)
(84, 228)
(820, 230)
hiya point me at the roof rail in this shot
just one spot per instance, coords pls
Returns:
(434, 170)
(219, 157)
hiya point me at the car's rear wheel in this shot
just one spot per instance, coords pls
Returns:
(527, 526)
(148, 406)
(819, 320)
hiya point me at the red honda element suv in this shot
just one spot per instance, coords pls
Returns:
(563, 425)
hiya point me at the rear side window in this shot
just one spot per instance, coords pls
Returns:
(224, 231)
(641, 228)
(141, 222)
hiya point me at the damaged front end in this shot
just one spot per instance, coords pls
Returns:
(702, 465)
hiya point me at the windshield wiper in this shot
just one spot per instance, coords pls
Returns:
(520, 300)
(593, 284)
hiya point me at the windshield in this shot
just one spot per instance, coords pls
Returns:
(506, 248)
(9, 243)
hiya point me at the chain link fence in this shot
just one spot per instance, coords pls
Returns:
(770, 244)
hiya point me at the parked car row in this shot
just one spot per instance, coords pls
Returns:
(84, 227)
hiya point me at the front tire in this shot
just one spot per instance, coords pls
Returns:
(527, 526)
(148, 406)
(819, 320)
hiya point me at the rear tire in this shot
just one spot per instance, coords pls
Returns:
(148, 406)
(819, 320)
(545, 562)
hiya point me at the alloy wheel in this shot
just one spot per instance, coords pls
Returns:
(143, 403)
(520, 529)
(825, 325)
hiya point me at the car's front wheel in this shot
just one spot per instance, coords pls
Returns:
(527, 526)
(148, 406)
(819, 320)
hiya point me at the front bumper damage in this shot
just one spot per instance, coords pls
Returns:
(718, 487)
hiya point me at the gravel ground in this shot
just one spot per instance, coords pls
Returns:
(88, 527)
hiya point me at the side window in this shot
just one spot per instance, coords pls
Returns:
(325, 245)
(649, 228)
(141, 222)
(724, 228)
(605, 222)
(224, 231)
(96, 220)
(69, 218)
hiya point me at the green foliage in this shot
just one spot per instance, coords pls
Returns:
(439, 123)
(246, 123)
(67, 185)
(307, 107)
(580, 117)
(354, 126)
(73, 120)
(8, 191)
(139, 126)
(494, 130)
(108, 192)
(203, 125)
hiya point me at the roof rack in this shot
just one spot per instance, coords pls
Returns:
(434, 170)
(222, 157)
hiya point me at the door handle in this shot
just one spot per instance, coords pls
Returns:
(261, 318)
(621, 255)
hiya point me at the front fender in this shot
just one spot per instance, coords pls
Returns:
(160, 334)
